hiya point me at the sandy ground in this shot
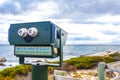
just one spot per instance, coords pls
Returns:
(92, 74)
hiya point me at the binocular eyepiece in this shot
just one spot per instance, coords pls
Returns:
(24, 32)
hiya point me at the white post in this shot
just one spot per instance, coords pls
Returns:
(101, 71)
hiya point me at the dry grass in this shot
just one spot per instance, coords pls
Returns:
(51, 77)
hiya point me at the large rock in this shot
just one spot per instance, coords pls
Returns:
(3, 59)
(110, 74)
(2, 64)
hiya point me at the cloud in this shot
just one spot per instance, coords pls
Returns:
(110, 33)
(106, 19)
(26, 13)
(17, 6)
(2, 1)
(95, 21)
(80, 10)
(25, 7)
(91, 33)
(80, 38)
(10, 7)
(84, 38)
(116, 39)
(4, 33)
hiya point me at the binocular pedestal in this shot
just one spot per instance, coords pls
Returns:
(39, 72)
(38, 40)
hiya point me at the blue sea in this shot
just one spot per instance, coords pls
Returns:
(69, 51)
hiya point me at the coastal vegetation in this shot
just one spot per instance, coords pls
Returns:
(11, 73)
(87, 62)
(73, 64)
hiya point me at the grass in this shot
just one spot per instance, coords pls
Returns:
(83, 62)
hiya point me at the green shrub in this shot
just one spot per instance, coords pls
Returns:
(87, 62)
(13, 71)
(6, 78)
(116, 56)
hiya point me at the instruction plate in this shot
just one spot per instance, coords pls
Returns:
(32, 50)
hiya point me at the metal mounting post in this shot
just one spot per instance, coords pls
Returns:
(39, 72)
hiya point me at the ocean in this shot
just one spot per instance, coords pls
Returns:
(69, 51)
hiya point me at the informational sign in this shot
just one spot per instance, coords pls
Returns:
(33, 50)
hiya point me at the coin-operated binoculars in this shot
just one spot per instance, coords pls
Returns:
(38, 40)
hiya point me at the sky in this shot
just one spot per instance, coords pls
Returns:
(86, 21)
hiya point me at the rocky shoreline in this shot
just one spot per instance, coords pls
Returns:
(2, 61)
(103, 53)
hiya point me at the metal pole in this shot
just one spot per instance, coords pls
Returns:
(101, 71)
(39, 72)
(61, 49)
(21, 60)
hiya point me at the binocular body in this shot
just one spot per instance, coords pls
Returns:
(37, 39)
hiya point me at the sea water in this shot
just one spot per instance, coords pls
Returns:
(69, 51)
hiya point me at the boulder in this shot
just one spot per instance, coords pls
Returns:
(110, 74)
(3, 59)
(2, 64)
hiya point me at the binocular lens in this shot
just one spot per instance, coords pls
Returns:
(33, 32)
(22, 32)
